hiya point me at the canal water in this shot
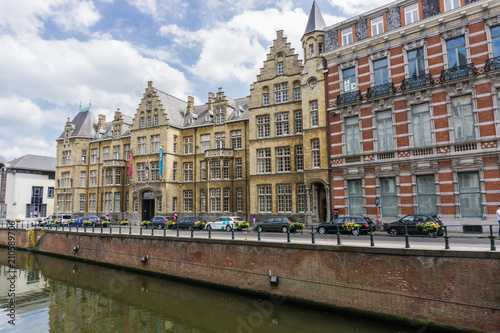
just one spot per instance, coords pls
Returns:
(56, 295)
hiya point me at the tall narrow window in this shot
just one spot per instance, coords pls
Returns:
(205, 142)
(84, 157)
(265, 99)
(188, 172)
(377, 26)
(174, 148)
(411, 14)
(83, 178)
(380, 72)
(416, 63)
(352, 136)
(239, 199)
(93, 156)
(421, 125)
(283, 159)
(225, 203)
(126, 152)
(215, 170)
(155, 120)
(389, 198)
(239, 168)
(117, 202)
(299, 158)
(215, 200)
(456, 52)
(174, 204)
(203, 170)
(118, 177)
(236, 139)
(82, 202)
(66, 157)
(463, 118)
(220, 140)
(384, 131)
(265, 199)
(298, 122)
(470, 194)
(155, 144)
(203, 201)
(188, 145)
(263, 127)
(116, 153)
(141, 145)
(281, 93)
(220, 115)
(347, 36)
(316, 163)
(301, 202)
(225, 170)
(149, 121)
(264, 160)
(155, 171)
(297, 95)
(174, 172)
(281, 68)
(314, 114)
(426, 195)
(282, 126)
(349, 79)
(92, 202)
(495, 38)
(311, 50)
(188, 201)
(284, 197)
(355, 197)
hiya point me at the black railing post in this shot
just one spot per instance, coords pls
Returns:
(210, 233)
(492, 239)
(258, 234)
(288, 235)
(152, 231)
(372, 243)
(232, 233)
(338, 236)
(177, 230)
(164, 231)
(119, 229)
(446, 238)
(140, 231)
(407, 240)
(130, 229)
(312, 235)
(192, 231)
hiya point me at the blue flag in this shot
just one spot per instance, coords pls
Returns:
(161, 160)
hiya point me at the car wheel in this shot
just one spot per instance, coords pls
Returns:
(161, 226)
(355, 232)
(228, 228)
(433, 233)
(259, 229)
(393, 232)
(322, 230)
(284, 229)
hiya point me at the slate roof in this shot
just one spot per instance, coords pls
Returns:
(33, 162)
(316, 21)
(85, 125)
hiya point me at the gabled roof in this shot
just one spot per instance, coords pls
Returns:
(33, 162)
(316, 21)
(85, 125)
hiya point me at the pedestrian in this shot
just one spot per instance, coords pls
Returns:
(498, 219)
(175, 217)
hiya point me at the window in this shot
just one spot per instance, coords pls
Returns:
(83, 178)
(281, 93)
(118, 177)
(174, 204)
(149, 121)
(281, 68)
(380, 72)
(389, 199)
(109, 177)
(155, 144)
(377, 26)
(82, 202)
(141, 172)
(155, 120)
(301, 202)
(203, 201)
(149, 106)
(66, 160)
(470, 194)
(355, 191)
(236, 139)
(299, 158)
(92, 202)
(451, 4)
(311, 50)
(297, 95)
(284, 198)
(203, 170)
(117, 202)
(225, 170)
(159, 204)
(116, 152)
(205, 142)
(456, 52)
(416, 63)
(346, 36)
(174, 148)
(93, 156)
(426, 195)
(411, 14)
(463, 118)
(283, 159)
(239, 199)
(127, 205)
(116, 131)
(141, 145)
(108, 202)
(50, 192)
(188, 145)
(495, 37)
(298, 122)
(141, 122)
(188, 201)
(225, 205)
(188, 172)
(263, 127)
(105, 153)
(265, 99)
(215, 170)
(352, 136)
(349, 78)
(155, 171)
(126, 152)
(239, 168)
(384, 131)
(282, 126)
(421, 125)
(220, 140)
(84, 157)
(265, 199)
(93, 178)
(174, 172)
(220, 115)
(315, 153)
(66, 180)
(314, 114)
(264, 160)
(215, 200)
(320, 48)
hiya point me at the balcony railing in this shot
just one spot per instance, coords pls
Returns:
(417, 82)
(381, 90)
(353, 158)
(467, 146)
(492, 64)
(458, 72)
(211, 153)
(350, 97)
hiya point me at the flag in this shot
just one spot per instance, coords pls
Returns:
(130, 163)
(161, 160)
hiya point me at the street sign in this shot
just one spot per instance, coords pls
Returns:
(376, 201)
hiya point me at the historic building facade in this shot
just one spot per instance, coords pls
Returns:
(413, 95)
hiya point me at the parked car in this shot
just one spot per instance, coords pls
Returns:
(191, 223)
(159, 222)
(277, 223)
(410, 223)
(77, 222)
(39, 223)
(95, 221)
(224, 223)
(64, 218)
(338, 225)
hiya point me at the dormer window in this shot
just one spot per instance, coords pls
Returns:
(377, 26)
(220, 116)
(149, 106)
(281, 68)
(411, 14)
(347, 36)
(451, 4)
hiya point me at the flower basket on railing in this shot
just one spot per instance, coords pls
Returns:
(428, 226)
(124, 223)
(145, 223)
(350, 226)
(39, 220)
(170, 224)
(296, 226)
(105, 223)
(57, 221)
(199, 224)
(18, 220)
(87, 223)
(242, 225)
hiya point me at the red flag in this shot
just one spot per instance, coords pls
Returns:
(130, 163)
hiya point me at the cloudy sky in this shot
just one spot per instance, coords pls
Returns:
(56, 54)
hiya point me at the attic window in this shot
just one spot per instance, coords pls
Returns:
(150, 106)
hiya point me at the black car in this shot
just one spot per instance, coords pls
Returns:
(159, 222)
(413, 224)
(190, 223)
(337, 225)
(278, 223)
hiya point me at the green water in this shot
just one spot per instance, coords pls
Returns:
(55, 295)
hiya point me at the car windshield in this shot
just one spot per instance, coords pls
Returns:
(369, 220)
(67, 217)
(239, 219)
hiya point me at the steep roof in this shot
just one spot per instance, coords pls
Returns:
(85, 125)
(33, 162)
(316, 21)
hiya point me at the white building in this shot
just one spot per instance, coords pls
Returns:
(27, 187)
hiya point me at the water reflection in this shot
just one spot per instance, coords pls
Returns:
(62, 296)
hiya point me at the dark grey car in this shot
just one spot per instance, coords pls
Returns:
(159, 222)
(277, 223)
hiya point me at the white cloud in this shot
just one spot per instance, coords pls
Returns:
(161, 10)
(77, 15)
(354, 7)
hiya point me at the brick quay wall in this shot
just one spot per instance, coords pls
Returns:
(435, 290)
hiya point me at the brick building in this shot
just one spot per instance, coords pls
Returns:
(413, 99)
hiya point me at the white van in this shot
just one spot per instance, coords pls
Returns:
(64, 218)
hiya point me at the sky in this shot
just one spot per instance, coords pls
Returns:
(59, 54)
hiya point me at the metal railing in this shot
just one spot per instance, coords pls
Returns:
(381, 90)
(349, 97)
(458, 72)
(492, 64)
(415, 82)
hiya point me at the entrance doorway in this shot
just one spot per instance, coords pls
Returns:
(148, 205)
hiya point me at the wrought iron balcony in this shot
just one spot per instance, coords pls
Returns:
(417, 82)
(492, 64)
(212, 153)
(350, 97)
(458, 72)
(381, 90)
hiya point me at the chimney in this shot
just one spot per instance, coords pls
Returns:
(101, 122)
(211, 100)
(190, 106)
(118, 114)
(220, 95)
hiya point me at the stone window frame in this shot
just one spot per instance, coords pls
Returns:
(375, 131)
(453, 34)
(461, 90)
(417, 4)
(376, 57)
(380, 20)
(445, 10)
(344, 32)
(416, 98)
(344, 66)
(411, 46)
